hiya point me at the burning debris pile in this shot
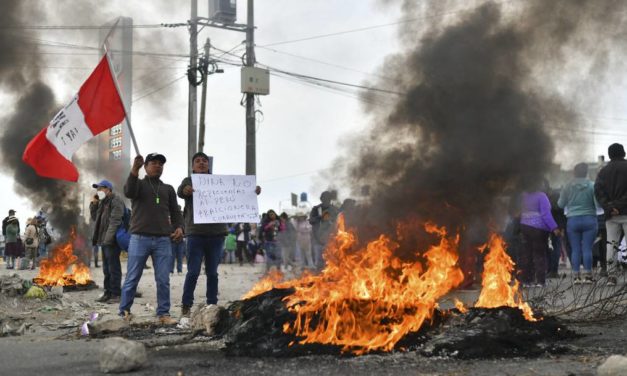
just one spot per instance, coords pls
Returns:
(368, 300)
(63, 268)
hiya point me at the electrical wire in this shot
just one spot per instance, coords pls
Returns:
(135, 100)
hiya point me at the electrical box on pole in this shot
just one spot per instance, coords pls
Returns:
(255, 81)
(223, 11)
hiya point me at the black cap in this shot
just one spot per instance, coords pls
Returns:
(154, 156)
(200, 154)
(616, 151)
(11, 211)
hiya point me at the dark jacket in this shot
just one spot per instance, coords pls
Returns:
(206, 229)
(4, 226)
(107, 215)
(321, 228)
(155, 211)
(610, 187)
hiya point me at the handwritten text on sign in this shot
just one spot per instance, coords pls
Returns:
(225, 198)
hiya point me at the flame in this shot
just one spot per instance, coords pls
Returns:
(368, 299)
(460, 306)
(267, 283)
(53, 271)
(497, 287)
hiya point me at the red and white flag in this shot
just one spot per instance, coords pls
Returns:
(96, 108)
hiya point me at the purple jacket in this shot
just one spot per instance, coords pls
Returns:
(536, 211)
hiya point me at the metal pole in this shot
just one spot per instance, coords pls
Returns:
(191, 116)
(251, 160)
(203, 99)
(126, 112)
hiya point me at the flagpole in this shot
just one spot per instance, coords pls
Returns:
(117, 87)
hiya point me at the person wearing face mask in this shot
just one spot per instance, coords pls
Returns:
(156, 221)
(106, 212)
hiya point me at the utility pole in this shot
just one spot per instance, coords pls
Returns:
(193, 65)
(251, 150)
(203, 98)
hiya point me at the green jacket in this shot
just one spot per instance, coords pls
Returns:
(577, 197)
(12, 233)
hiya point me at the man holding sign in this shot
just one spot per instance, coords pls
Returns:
(211, 201)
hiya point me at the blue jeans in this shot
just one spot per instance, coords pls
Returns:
(43, 249)
(111, 269)
(178, 249)
(581, 230)
(273, 255)
(210, 248)
(140, 247)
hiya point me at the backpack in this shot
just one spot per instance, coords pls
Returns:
(46, 236)
(122, 234)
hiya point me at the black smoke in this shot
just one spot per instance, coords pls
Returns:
(34, 106)
(480, 94)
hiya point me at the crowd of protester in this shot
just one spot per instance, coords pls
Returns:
(25, 250)
(582, 224)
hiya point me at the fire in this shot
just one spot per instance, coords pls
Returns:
(267, 283)
(368, 299)
(497, 287)
(53, 271)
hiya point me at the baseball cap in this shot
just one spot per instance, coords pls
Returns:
(103, 183)
(154, 156)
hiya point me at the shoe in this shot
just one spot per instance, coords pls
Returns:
(541, 285)
(611, 281)
(113, 299)
(587, 278)
(167, 320)
(186, 311)
(104, 297)
(577, 281)
(126, 316)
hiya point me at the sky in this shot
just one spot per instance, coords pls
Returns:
(301, 129)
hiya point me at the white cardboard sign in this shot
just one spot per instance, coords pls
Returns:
(225, 198)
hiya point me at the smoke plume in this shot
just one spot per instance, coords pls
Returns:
(34, 107)
(483, 93)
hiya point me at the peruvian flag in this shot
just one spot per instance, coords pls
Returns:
(96, 108)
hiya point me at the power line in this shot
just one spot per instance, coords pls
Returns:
(135, 100)
(79, 27)
(409, 20)
(321, 62)
(303, 76)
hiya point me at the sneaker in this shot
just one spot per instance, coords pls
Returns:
(113, 299)
(588, 280)
(104, 297)
(126, 316)
(167, 320)
(186, 311)
(541, 285)
(577, 281)
(611, 281)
